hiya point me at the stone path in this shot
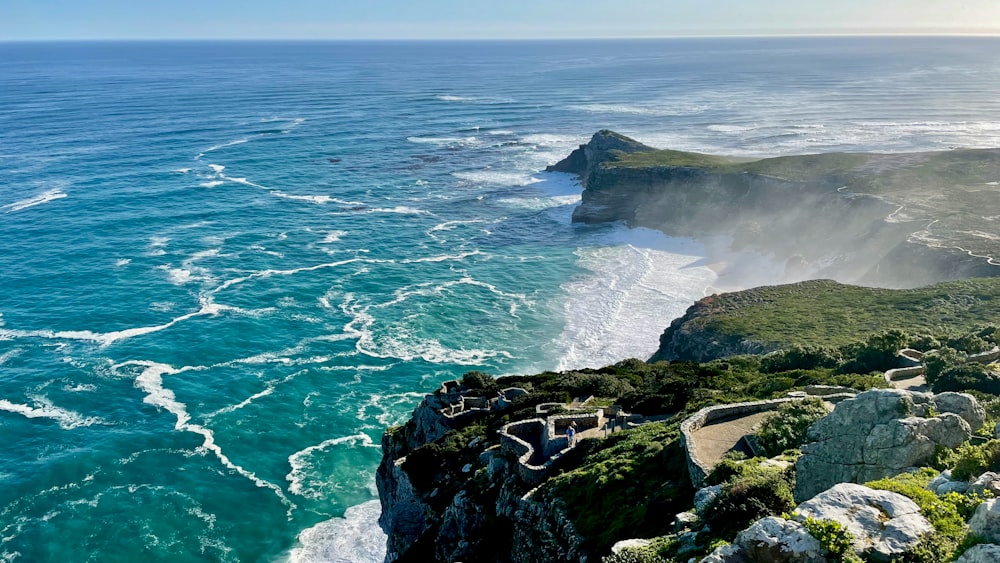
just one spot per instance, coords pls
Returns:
(713, 440)
(917, 383)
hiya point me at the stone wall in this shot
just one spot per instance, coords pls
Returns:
(697, 469)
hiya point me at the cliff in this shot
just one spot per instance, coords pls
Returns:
(822, 313)
(889, 220)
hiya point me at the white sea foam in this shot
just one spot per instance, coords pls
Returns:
(182, 170)
(211, 184)
(123, 262)
(319, 199)
(10, 354)
(208, 308)
(150, 381)
(639, 280)
(302, 465)
(333, 236)
(355, 538)
(445, 141)
(497, 178)
(217, 168)
(39, 199)
(43, 408)
(635, 109)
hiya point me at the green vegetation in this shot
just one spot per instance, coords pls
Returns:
(944, 513)
(677, 158)
(835, 539)
(748, 496)
(824, 313)
(786, 428)
(643, 469)
(970, 460)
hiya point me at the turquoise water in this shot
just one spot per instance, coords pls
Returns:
(227, 267)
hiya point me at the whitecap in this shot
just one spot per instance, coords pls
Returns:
(445, 141)
(333, 236)
(300, 464)
(43, 408)
(212, 184)
(498, 178)
(150, 381)
(123, 262)
(355, 538)
(39, 199)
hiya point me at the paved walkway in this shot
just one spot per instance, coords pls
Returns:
(713, 440)
(917, 384)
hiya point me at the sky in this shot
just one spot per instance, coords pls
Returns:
(482, 19)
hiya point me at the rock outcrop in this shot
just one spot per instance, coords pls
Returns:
(771, 540)
(850, 217)
(878, 434)
(884, 524)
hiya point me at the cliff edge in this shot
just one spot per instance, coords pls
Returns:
(886, 220)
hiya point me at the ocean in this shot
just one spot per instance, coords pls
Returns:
(228, 266)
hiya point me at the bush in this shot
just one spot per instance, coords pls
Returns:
(969, 343)
(479, 381)
(976, 460)
(834, 537)
(800, 357)
(940, 360)
(966, 377)
(786, 428)
(746, 498)
(924, 342)
(876, 353)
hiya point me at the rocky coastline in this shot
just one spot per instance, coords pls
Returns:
(774, 424)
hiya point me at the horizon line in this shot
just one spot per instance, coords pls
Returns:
(987, 34)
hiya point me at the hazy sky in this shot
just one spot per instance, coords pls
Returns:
(436, 19)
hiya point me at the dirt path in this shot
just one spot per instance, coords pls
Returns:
(712, 441)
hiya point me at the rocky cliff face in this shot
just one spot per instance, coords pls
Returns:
(852, 218)
(449, 493)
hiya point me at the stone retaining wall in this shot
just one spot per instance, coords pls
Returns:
(697, 469)
(552, 445)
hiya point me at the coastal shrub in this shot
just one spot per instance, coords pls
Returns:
(974, 460)
(942, 512)
(969, 343)
(833, 537)
(479, 381)
(801, 357)
(939, 360)
(748, 497)
(621, 487)
(786, 428)
(924, 342)
(876, 353)
(965, 377)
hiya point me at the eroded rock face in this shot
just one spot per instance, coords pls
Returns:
(875, 435)
(962, 404)
(883, 523)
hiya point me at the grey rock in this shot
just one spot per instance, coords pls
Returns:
(883, 523)
(982, 553)
(986, 521)
(731, 553)
(941, 479)
(964, 405)
(987, 482)
(952, 487)
(872, 436)
(704, 497)
(629, 544)
(686, 521)
(776, 540)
